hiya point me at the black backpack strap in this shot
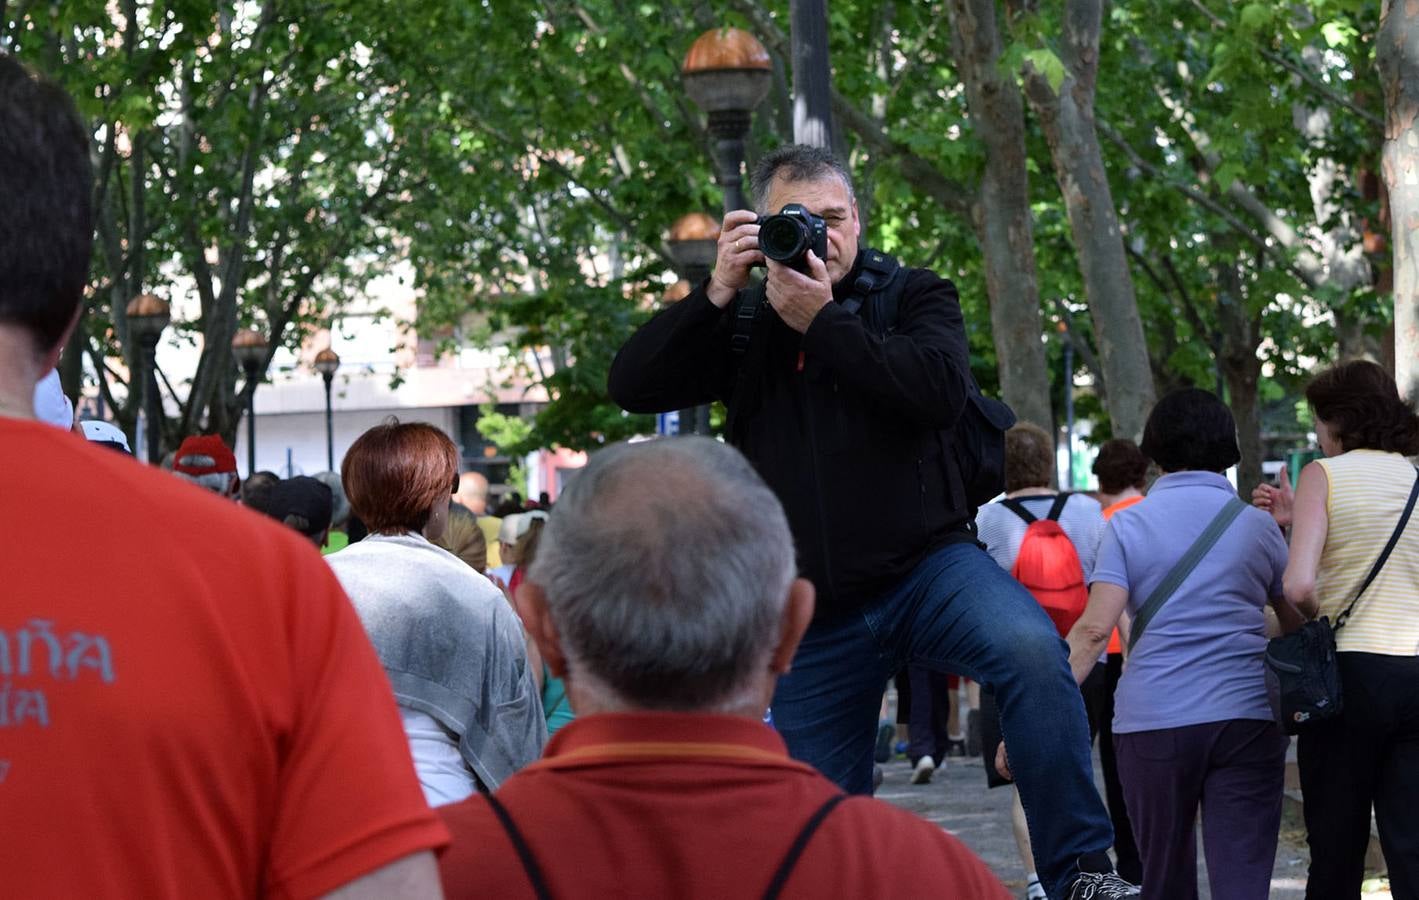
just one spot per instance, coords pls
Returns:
(1341, 619)
(1018, 509)
(1057, 507)
(800, 843)
(524, 852)
(750, 324)
(875, 274)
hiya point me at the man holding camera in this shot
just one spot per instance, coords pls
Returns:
(845, 377)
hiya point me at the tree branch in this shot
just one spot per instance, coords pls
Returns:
(1326, 92)
(1201, 199)
(951, 194)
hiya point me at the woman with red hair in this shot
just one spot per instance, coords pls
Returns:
(452, 647)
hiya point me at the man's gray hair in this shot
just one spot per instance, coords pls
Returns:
(666, 565)
(795, 162)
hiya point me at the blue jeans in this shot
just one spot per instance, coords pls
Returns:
(957, 611)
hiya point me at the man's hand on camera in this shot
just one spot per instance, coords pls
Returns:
(796, 297)
(738, 251)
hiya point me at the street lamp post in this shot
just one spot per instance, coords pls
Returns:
(147, 317)
(249, 348)
(693, 242)
(326, 362)
(1068, 340)
(727, 72)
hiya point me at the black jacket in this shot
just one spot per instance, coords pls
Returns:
(849, 428)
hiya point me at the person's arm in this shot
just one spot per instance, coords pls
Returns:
(415, 877)
(920, 371)
(676, 360)
(1288, 617)
(1090, 634)
(679, 358)
(1309, 525)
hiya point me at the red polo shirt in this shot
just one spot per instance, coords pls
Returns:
(694, 806)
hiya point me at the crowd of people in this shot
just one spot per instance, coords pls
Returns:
(363, 684)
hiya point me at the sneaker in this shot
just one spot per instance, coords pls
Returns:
(1101, 886)
(956, 747)
(923, 771)
(876, 778)
(1035, 891)
(883, 751)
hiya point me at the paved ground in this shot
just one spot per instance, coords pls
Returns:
(958, 800)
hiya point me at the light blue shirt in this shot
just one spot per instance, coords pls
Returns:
(1200, 659)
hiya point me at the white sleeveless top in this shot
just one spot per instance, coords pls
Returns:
(1368, 490)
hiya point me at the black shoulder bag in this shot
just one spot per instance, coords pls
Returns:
(1304, 661)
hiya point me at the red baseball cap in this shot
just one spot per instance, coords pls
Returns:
(204, 454)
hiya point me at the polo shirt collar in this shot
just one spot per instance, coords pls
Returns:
(610, 737)
(1192, 479)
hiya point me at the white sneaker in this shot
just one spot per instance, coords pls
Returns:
(923, 771)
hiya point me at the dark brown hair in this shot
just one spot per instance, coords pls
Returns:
(1120, 465)
(46, 180)
(395, 472)
(1029, 457)
(1360, 403)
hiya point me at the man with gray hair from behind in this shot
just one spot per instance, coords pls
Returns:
(664, 593)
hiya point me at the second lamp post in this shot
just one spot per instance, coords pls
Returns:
(327, 362)
(249, 348)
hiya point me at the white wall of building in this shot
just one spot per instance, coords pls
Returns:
(302, 435)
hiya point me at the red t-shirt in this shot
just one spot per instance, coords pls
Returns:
(189, 706)
(694, 806)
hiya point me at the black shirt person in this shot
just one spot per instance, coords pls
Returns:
(843, 418)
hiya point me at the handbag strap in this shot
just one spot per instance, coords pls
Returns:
(1183, 567)
(1344, 617)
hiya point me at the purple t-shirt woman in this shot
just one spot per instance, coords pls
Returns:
(1201, 658)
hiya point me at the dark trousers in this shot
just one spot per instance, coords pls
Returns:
(1130, 866)
(924, 703)
(1369, 754)
(1235, 771)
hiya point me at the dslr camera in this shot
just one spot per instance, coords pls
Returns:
(788, 236)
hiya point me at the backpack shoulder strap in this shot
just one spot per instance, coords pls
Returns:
(1018, 509)
(800, 844)
(519, 844)
(1057, 507)
(748, 345)
(1183, 568)
(1344, 617)
(876, 274)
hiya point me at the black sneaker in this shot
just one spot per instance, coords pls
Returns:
(1101, 886)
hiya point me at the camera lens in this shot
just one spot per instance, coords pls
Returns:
(782, 238)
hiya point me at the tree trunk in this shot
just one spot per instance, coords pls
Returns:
(812, 74)
(1241, 369)
(1068, 120)
(1001, 214)
(1397, 57)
